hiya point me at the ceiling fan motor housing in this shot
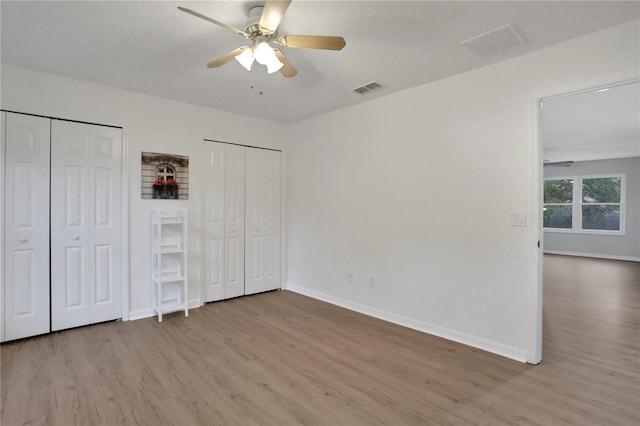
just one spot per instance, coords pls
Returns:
(253, 28)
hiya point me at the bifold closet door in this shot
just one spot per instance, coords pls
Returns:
(241, 220)
(234, 221)
(214, 223)
(262, 228)
(224, 166)
(85, 224)
(26, 231)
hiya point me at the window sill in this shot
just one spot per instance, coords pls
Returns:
(585, 232)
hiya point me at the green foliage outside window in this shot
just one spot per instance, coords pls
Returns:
(558, 191)
(601, 190)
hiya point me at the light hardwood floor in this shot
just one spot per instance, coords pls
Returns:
(280, 358)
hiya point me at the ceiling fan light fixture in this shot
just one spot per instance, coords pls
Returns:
(246, 58)
(265, 55)
(274, 66)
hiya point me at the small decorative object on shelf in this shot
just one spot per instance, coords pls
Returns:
(169, 261)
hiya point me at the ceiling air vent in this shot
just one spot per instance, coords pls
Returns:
(374, 85)
(496, 41)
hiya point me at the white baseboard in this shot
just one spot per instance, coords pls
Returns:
(149, 312)
(597, 256)
(456, 336)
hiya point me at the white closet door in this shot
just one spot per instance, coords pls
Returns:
(105, 213)
(262, 231)
(234, 221)
(26, 232)
(85, 224)
(214, 165)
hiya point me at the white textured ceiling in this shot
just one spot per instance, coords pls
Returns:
(151, 47)
(594, 125)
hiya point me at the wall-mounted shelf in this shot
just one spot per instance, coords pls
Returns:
(169, 261)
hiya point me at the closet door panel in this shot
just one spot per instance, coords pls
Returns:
(105, 265)
(254, 220)
(75, 276)
(272, 218)
(70, 245)
(85, 223)
(214, 224)
(26, 231)
(263, 220)
(234, 221)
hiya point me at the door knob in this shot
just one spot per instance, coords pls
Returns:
(24, 240)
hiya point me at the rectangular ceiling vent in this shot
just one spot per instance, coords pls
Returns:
(496, 41)
(367, 88)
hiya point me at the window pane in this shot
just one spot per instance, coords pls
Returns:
(601, 190)
(601, 217)
(557, 217)
(558, 191)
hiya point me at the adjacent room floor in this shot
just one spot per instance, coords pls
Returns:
(282, 358)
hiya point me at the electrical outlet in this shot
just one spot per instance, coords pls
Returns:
(350, 277)
(371, 282)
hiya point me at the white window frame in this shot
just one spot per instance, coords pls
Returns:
(165, 171)
(576, 209)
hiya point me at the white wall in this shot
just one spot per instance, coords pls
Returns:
(625, 246)
(150, 124)
(416, 190)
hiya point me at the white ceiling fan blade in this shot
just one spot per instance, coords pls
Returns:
(213, 21)
(273, 13)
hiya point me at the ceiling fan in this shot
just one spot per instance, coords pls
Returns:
(263, 32)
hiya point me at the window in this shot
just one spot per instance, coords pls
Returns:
(601, 203)
(165, 172)
(586, 204)
(558, 203)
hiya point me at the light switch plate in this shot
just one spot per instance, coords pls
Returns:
(518, 219)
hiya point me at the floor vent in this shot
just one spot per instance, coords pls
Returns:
(367, 88)
(496, 41)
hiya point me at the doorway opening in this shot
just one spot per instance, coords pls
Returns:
(589, 203)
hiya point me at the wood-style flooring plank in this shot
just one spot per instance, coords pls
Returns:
(284, 359)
